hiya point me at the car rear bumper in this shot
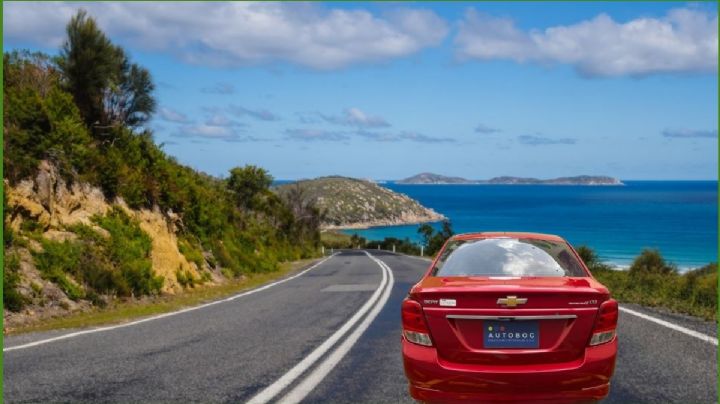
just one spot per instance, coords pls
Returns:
(584, 380)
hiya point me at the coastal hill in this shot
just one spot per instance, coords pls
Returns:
(354, 203)
(430, 178)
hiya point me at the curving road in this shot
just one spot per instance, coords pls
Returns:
(328, 334)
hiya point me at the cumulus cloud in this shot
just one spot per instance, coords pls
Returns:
(171, 115)
(537, 140)
(355, 117)
(310, 135)
(260, 114)
(484, 129)
(219, 88)
(240, 33)
(690, 133)
(684, 40)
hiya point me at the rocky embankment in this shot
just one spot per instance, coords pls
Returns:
(349, 203)
(46, 207)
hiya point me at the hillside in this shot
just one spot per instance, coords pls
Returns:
(430, 178)
(96, 212)
(353, 203)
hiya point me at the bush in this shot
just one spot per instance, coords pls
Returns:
(650, 261)
(59, 259)
(651, 281)
(12, 299)
(129, 250)
(191, 252)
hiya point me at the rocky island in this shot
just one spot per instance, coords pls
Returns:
(430, 178)
(350, 203)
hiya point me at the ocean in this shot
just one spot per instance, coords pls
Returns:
(680, 218)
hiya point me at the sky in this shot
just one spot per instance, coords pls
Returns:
(389, 90)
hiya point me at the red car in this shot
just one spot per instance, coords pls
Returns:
(502, 317)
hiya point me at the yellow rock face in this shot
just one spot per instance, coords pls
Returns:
(48, 200)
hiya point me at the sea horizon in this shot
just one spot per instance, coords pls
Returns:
(677, 217)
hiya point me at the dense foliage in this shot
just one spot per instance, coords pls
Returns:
(652, 281)
(83, 112)
(432, 240)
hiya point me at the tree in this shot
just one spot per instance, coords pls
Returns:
(107, 88)
(130, 101)
(432, 240)
(248, 182)
(90, 63)
(426, 232)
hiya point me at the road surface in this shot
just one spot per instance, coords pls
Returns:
(328, 334)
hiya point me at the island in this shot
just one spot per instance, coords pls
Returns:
(430, 178)
(351, 203)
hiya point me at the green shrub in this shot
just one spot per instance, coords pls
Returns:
(651, 281)
(129, 250)
(650, 261)
(12, 299)
(191, 252)
(59, 259)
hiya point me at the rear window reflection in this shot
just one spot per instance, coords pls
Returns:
(508, 257)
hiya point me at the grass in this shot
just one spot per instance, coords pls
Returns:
(129, 310)
(335, 239)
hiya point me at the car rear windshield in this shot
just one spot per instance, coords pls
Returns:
(508, 257)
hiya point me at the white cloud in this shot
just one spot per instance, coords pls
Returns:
(356, 117)
(538, 140)
(310, 135)
(402, 136)
(261, 114)
(214, 132)
(218, 119)
(171, 115)
(486, 130)
(685, 40)
(690, 133)
(239, 33)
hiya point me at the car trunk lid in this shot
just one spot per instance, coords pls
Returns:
(548, 320)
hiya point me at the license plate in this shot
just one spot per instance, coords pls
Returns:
(511, 334)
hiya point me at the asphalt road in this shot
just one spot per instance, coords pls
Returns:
(331, 334)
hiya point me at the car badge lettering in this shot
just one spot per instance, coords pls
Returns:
(511, 301)
(593, 302)
(430, 301)
(448, 302)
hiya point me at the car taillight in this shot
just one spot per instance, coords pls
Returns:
(414, 327)
(605, 323)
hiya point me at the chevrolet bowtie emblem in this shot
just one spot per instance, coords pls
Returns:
(511, 301)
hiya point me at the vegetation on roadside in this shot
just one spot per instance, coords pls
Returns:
(652, 281)
(432, 241)
(84, 111)
(124, 310)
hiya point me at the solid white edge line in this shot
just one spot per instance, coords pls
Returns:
(692, 333)
(280, 384)
(321, 371)
(159, 316)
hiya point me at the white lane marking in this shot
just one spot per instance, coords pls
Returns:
(692, 333)
(280, 384)
(159, 316)
(321, 371)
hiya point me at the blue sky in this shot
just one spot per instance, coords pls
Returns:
(388, 90)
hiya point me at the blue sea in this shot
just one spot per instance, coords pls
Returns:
(680, 218)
